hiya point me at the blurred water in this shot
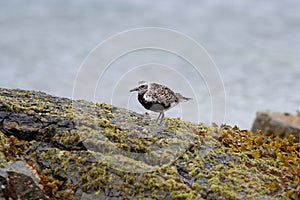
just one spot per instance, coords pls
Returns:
(255, 44)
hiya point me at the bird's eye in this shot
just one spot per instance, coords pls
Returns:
(143, 86)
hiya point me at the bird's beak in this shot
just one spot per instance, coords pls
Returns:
(134, 89)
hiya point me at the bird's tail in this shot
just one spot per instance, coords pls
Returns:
(187, 98)
(182, 98)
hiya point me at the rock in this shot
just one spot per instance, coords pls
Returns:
(56, 148)
(277, 123)
(19, 182)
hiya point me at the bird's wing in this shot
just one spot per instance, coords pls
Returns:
(162, 94)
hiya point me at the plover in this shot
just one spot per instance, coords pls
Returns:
(157, 98)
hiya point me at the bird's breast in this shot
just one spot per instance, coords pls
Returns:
(152, 104)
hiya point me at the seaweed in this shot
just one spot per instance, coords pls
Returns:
(83, 148)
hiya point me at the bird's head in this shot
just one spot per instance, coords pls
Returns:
(141, 88)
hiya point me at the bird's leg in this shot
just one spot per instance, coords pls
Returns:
(162, 117)
(158, 118)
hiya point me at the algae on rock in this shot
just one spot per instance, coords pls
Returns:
(84, 150)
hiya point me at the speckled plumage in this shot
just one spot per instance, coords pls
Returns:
(157, 97)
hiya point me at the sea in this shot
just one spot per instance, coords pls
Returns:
(234, 58)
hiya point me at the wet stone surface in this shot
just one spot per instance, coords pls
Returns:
(84, 150)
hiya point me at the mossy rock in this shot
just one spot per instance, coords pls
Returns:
(84, 150)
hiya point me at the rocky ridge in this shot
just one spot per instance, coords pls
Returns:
(56, 148)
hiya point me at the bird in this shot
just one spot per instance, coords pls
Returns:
(158, 98)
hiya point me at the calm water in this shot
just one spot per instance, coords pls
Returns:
(256, 46)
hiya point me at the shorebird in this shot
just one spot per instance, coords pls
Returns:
(157, 98)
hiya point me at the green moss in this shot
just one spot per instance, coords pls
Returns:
(181, 160)
(219, 167)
